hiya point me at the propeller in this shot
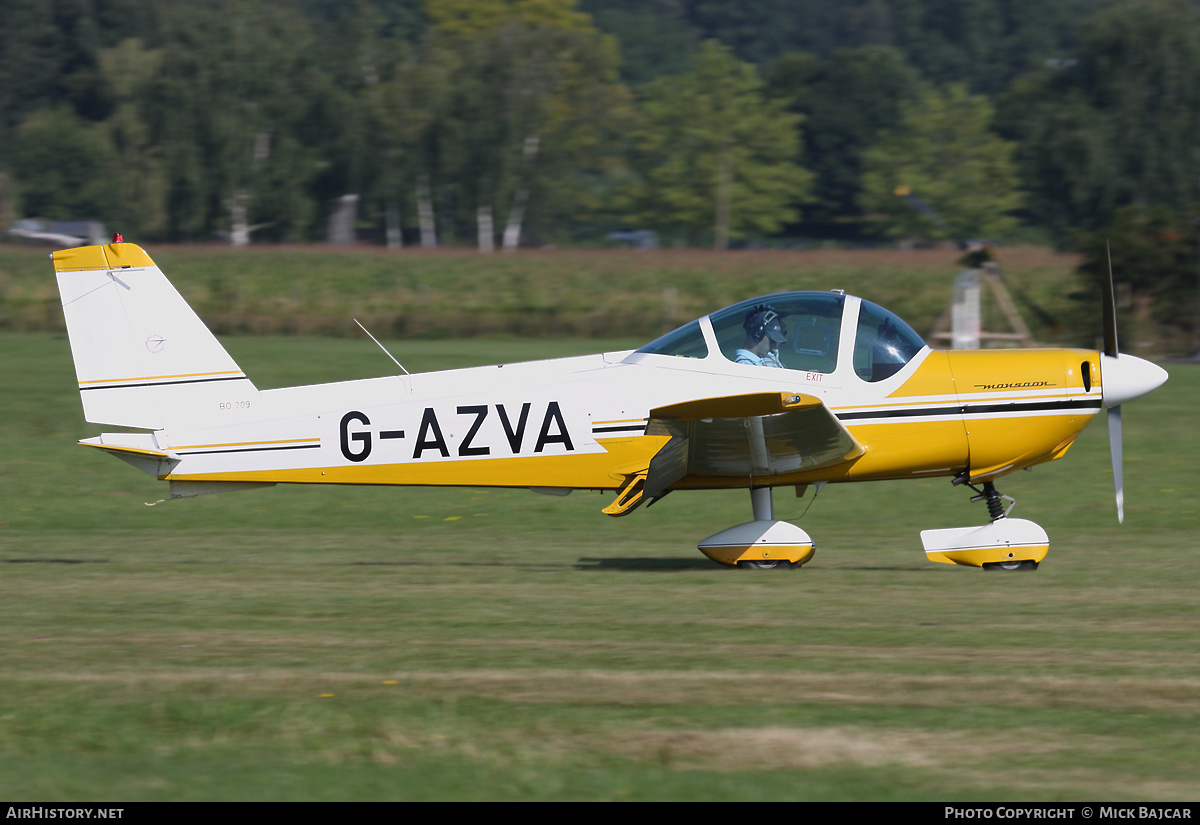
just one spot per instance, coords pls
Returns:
(1124, 377)
(1114, 412)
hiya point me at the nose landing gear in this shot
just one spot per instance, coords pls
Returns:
(1004, 544)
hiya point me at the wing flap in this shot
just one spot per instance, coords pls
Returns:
(755, 435)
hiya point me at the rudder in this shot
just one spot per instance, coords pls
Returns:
(143, 358)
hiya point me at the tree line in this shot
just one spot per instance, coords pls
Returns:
(510, 122)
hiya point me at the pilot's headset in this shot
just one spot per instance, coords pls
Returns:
(764, 319)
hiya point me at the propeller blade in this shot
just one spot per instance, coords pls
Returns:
(1110, 310)
(1124, 379)
(1114, 446)
(1114, 412)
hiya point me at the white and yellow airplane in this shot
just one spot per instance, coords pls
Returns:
(792, 389)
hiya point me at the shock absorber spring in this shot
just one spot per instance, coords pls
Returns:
(995, 508)
(994, 504)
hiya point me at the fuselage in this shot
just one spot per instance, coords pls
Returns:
(579, 423)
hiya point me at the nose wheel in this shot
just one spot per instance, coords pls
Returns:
(1011, 565)
(1004, 544)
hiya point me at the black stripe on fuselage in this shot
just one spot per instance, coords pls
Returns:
(165, 383)
(628, 428)
(251, 449)
(976, 409)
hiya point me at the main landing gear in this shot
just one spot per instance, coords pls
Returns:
(1004, 544)
(762, 544)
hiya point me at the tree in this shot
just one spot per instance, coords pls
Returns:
(655, 39)
(65, 165)
(139, 178)
(49, 72)
(712, 151)
(461, 20)
(31, 63)
(945, 155)
(238, 113)
(533, 82)
(847, 101)
(1154, 250)
(410, 109)
(983, 43)
(1117, 124)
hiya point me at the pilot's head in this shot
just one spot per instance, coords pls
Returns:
(764, 329)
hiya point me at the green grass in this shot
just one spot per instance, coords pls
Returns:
(549, 293)
(309, 643)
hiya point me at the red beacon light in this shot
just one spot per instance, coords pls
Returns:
(118, 238)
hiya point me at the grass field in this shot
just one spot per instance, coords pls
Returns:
(412, 293)
(305, 643)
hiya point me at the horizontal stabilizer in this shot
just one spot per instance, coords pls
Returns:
(138, 449)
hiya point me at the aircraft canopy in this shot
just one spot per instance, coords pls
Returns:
(812, 322)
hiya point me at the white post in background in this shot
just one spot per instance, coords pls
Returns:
(343, 219)
(395, 236)
(966, 324)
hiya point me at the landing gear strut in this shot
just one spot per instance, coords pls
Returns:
(1004, 544)
(995, 508)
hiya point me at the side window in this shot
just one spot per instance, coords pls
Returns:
(810, 323)
(814, 343)
(686, 342)
(883, 343)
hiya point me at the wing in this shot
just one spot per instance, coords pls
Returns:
(758, 435)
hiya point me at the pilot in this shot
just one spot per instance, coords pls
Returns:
(764, 334)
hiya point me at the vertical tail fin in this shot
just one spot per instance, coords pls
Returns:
(143, 358)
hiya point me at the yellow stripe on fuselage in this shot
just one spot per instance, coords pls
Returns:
(584, 471)
(245, 444)
(238, 373)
